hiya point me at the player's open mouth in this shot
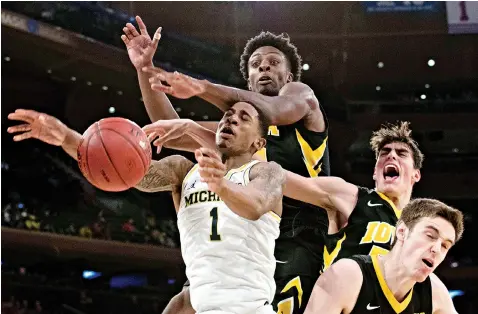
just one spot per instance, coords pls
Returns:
(428, 262)
(391, 172)
(264, 80)
(227, 132)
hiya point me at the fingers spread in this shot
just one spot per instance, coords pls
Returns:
(128, 33)
(132, 29)
(19, 128)
(141, 25)
(125, 39)
(23, 136)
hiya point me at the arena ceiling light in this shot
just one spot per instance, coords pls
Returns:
(205, 117)
(380, 64)
(378, 88)
(119, 92)
(104, 87)
(73, 78)
(7, 58)
(112, 110)
(423, 96)
(305, 66)
(88, 83)
(178, 109)
(427, 85)
(431, 62)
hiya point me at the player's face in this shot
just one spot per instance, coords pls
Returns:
(394, 172)
(238, 131)
(268, 71)
(426, 246)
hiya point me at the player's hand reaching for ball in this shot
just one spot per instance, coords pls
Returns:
(211, 169)
(180, 85)
(38, 125)
(141, 48)
(162, 131)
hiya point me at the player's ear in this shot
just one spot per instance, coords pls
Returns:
(402, 231)
(374, 177)
(249, 86)
(259, 143)
(290, 77)
(417, 176)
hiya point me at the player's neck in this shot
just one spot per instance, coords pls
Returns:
(395, 276)
(402, 200)
(234, 162)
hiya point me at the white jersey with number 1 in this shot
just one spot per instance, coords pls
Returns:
(229, 260)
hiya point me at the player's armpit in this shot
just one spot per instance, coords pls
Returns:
(330, 193)
(337, 289)
(166, 174)
(441, 299)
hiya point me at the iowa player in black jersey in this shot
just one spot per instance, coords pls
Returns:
(401, 281)
(297, 140)
(362, 221)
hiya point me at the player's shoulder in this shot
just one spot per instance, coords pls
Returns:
(295, 88)
(347, 269)
(442, 302)
(266, 168)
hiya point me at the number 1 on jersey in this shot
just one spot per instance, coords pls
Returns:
(214, 235)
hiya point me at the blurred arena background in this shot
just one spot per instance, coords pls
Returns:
(68, 247)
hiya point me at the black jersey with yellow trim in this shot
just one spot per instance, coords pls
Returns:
(370, 228)
(376, 297)
(306, 153)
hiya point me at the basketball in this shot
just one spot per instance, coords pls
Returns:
(114, 154)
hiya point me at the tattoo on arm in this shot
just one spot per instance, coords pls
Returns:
(268, 178)
(166, 174)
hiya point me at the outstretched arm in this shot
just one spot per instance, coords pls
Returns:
(337, 289)
(442, 302)
(141, 49)
(45, 128)
(166, 174)
(262, 194)
(180, 134)
(330, 193)
(294, 102)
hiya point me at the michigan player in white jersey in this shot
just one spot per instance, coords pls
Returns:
(229, 211)
(228, 207)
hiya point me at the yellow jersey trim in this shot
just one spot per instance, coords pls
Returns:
(311, 157)
(398, 307)
(398, 212)
(329, 258)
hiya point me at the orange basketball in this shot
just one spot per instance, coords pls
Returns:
(114, 154)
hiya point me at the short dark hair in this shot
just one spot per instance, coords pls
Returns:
(399, 132)
(426, 207)
(264, 122)
(281, 42)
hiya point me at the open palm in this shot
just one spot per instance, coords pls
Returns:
(141, 48)
(37, 125)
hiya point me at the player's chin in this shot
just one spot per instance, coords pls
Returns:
(268, 90)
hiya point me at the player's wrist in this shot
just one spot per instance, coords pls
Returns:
(148, 63)
(204, 87)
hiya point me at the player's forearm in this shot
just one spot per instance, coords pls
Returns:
(71, 143)
(157, 104)
(242, 200)
(194, 136)
(280, 110)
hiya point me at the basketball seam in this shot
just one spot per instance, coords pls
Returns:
(109, 158)
(87, 162)
(134, 146)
